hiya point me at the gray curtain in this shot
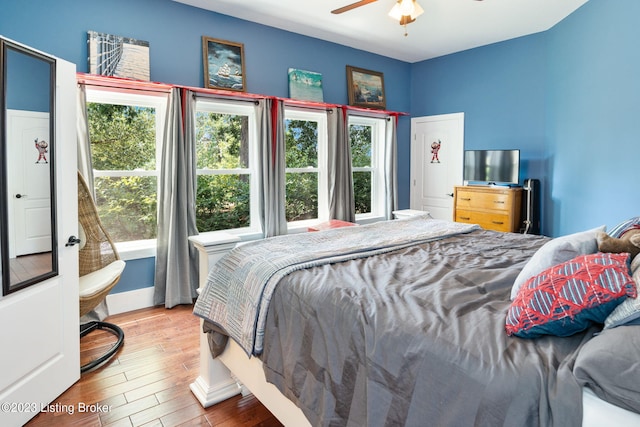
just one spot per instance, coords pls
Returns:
(176, 275)
(270, 115)
(390, 166)
(85, 167)
(341, 198)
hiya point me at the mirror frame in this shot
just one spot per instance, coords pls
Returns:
(7, 286)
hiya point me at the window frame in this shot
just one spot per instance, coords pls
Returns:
(292, 113)
(378, 197)
(218, 106)
(146, 248)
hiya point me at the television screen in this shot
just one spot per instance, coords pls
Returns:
(492, 166)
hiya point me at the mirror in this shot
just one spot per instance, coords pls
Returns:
(28, 243)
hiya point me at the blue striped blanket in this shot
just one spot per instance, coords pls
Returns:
(239, 286)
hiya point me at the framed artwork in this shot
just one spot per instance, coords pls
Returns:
(305, 85)
(118, 56)
(223, 64)
(365, 88)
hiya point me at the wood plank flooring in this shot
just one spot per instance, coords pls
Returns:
(26, 267)
(147, 382)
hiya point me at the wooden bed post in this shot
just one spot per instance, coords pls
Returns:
(215, 382)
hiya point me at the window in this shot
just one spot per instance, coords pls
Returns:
(305, 161)
(366, 136)
(226, 161)
(126, 132)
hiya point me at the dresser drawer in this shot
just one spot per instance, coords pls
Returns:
(492, 208)
(486, 220)
(484, 200)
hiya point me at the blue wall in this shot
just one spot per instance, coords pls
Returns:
(28, 82)
(501, 90)
(174, 33)
(567, 97)
(593, 106)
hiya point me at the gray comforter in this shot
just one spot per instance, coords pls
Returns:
(239, 286)
(415, 336)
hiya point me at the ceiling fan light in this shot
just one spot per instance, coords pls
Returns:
(417, 10)
(400, 10)
(395, 12)
(406, 7)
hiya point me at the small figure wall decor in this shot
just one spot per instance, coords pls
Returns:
(435, 148)
(41, 146)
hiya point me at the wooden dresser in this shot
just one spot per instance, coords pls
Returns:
(493, 208)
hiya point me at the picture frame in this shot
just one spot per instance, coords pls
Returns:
(365, 88)
(305, 85)
(118, 56)
(223, 62)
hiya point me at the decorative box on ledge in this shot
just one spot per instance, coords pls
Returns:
(333, 223)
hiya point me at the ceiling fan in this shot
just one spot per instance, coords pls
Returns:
(404, 11)
(358, 4)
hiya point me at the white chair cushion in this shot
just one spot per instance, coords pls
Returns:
(92, 283)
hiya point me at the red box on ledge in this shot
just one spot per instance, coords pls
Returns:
(333, 223)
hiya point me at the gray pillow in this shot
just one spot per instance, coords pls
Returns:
(629, 310)
(609, 365)
(555, 252)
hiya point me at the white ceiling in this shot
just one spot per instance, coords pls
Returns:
(447, 26)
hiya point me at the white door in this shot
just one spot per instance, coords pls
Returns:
(39, 328)
(28, 170)
(437, 150)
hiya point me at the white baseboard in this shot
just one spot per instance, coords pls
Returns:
(130, 300)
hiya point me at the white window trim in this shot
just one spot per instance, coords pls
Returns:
(322, 170)
(378, 127)
(243, 109)
(135, 249)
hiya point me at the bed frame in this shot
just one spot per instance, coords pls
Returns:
(233, 372)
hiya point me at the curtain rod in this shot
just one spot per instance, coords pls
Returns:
(130, 84)
(228, 94)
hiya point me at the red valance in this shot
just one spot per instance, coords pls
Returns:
(119, 83)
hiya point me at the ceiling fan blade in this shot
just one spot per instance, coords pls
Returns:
(352, 6)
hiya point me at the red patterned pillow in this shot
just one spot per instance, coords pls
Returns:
(568, 297)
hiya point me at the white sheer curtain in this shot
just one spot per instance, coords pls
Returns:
(176, 275)
(341, 196)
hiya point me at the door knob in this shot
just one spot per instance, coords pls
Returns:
(19, 196)
(73, 240)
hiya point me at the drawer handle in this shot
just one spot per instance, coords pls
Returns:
(466, 218)
(466, 199)
(498, 222)
(499, 201)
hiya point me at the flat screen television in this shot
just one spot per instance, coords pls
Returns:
(491, 167)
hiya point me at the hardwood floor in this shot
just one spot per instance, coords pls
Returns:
(26, 267)
(147, 382)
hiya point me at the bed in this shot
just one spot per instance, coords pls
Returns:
(399, 322)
